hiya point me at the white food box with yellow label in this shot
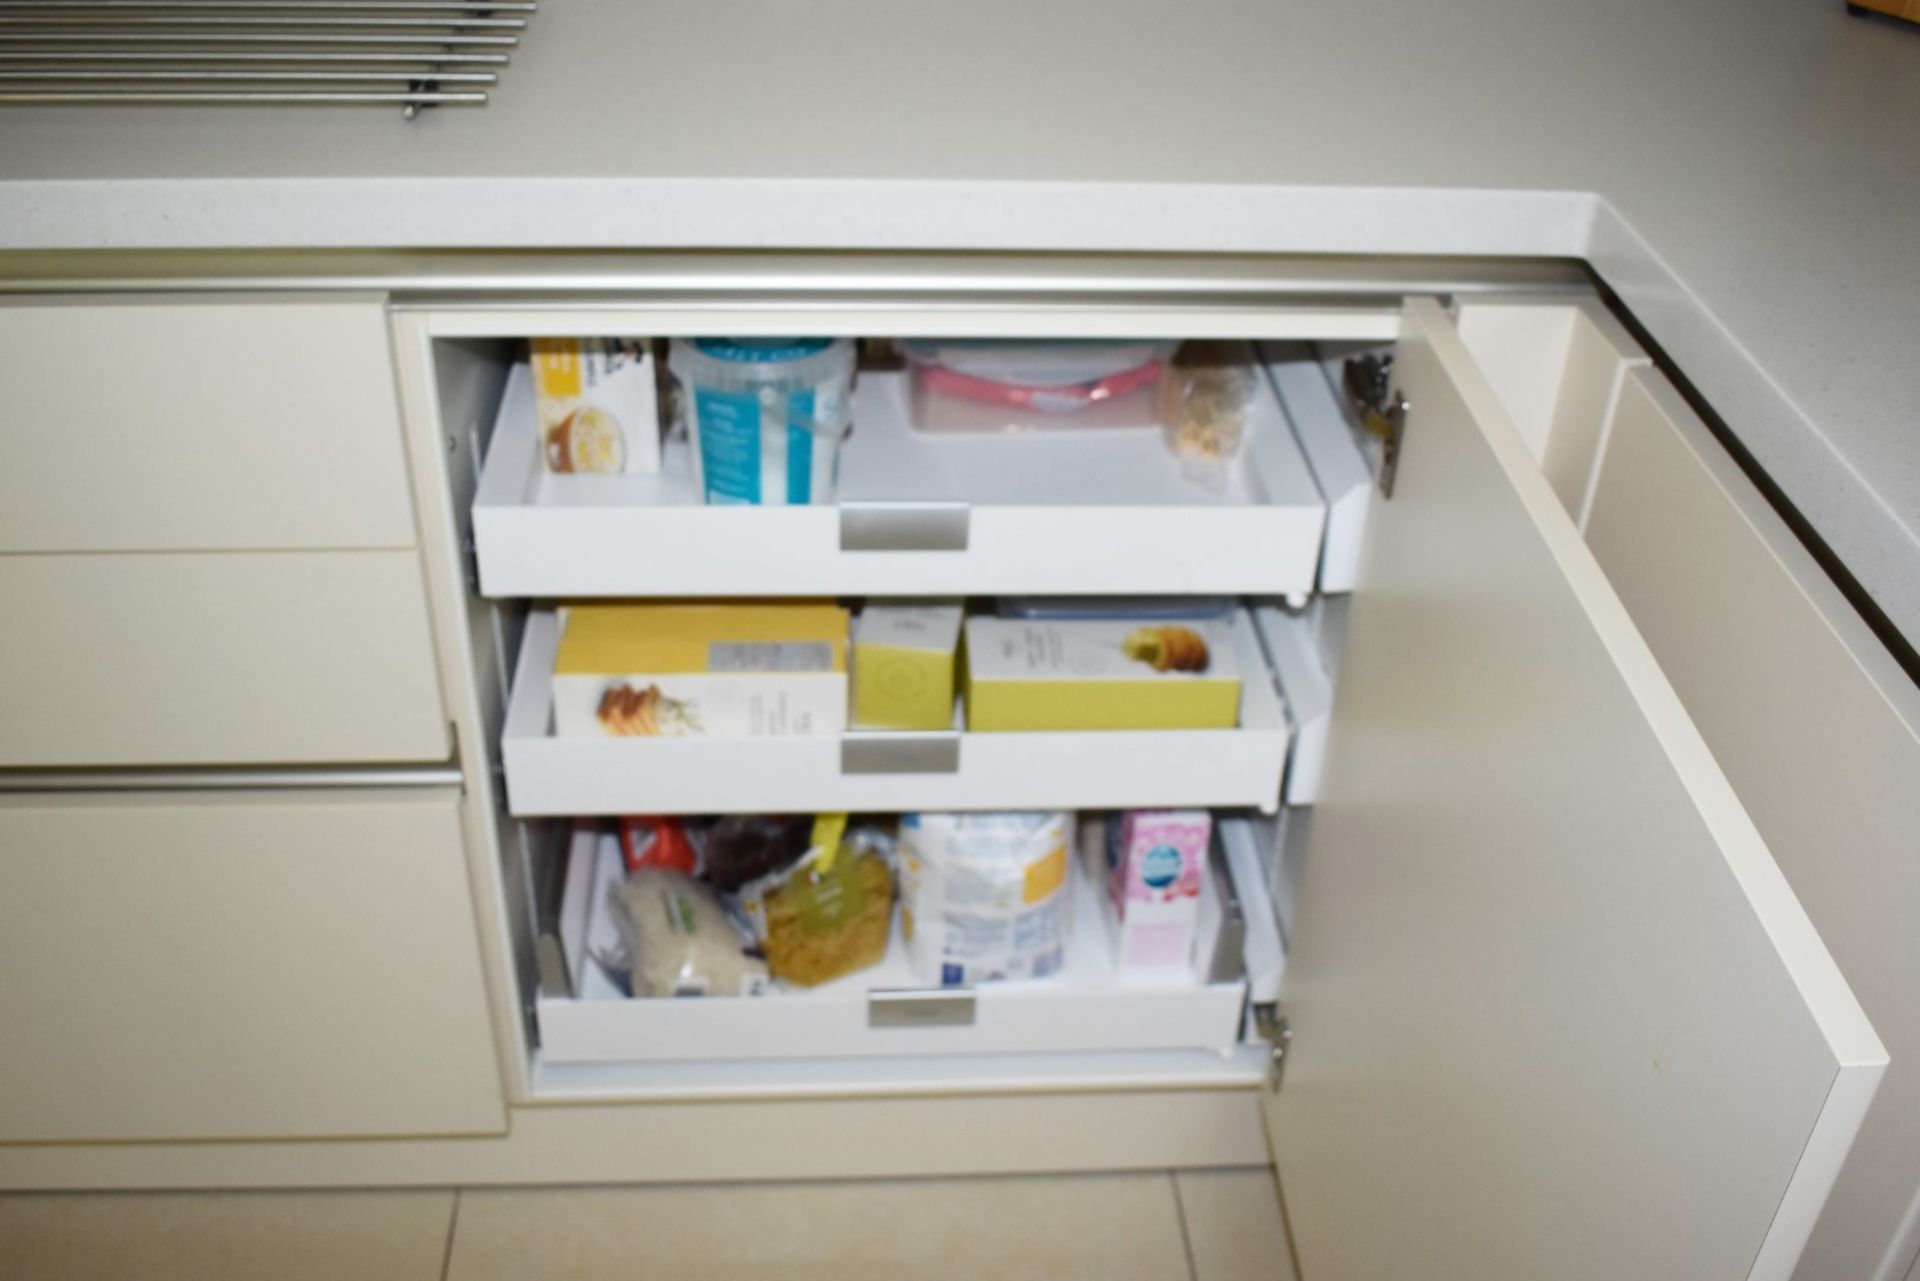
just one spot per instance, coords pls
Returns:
(716, 671)
(597, 406)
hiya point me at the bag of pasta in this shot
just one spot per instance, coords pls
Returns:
(831, 912)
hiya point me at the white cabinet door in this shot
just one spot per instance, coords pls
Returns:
(217, 658)
(1555, 1012)
(199, 424)
(1827, 758)
(240, 966)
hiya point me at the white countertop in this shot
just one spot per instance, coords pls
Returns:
(1745, 172)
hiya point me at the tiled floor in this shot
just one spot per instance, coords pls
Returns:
(1216, 1225)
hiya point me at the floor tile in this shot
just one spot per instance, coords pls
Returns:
(1113, 1227)
(233, 1236)
(1234, 1226)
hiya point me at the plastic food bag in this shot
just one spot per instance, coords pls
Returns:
(1203, 405)
(681, 940)
(649, 840)
(985, 896)
(745, 847)
(830, 913)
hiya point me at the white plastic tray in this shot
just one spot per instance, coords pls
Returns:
(1096, 510)
(1088, 1006)
(951, 770)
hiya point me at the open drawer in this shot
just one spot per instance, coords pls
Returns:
(875, 770)
(1093, 510)
(887, 1010)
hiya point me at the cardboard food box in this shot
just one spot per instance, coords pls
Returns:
(1127, 674)
(903, 665)
(1156, 866)
(722, 671)
(596, 402)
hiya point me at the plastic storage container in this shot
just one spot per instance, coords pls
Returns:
(764, 416)
(1016, 386)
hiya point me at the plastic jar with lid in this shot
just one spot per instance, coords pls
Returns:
(764, 416)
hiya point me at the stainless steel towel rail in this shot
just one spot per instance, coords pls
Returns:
(407, 53)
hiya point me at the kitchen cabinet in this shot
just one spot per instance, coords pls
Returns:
(232, 854)
(217, 658)
(207, 543)
(188, 423)
(1539, 940)
(253, 965)
(1538, 937)
(1548, 1004)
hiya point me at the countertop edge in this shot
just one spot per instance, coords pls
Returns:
(1840, 503)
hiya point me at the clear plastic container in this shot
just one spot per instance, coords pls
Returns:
(764, 416)
(1020, 386)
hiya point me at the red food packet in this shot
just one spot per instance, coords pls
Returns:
(648, 840)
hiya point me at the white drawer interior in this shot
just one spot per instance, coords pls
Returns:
(885, 771)
(1074, 512)
(887, 1010)
(1103, 509)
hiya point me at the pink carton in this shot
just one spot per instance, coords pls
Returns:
(1157, 863)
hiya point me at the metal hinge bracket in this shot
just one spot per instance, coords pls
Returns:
(1381, 409)
(470, 564)
(1271, 1024)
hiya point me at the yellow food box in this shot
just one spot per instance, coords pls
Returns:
(1090, 675)
(721, 671)
(903, 665)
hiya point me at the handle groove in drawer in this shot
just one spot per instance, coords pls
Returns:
(904, 527)
(920, 1007)
(900, 753)
(240, 779)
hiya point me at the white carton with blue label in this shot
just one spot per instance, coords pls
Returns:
(1156, 867)
(765, 416)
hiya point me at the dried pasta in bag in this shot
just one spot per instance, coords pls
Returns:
(831, 912)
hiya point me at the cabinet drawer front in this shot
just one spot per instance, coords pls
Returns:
(222, 966)
(184, 424)
(217, 659)
(1818, 730)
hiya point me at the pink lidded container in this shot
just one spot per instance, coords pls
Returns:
(995, 385)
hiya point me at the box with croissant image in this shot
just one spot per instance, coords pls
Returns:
(701, 670)
(1101, 674)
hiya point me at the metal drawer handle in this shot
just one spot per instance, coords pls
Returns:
(241, 779)
(890, 753)
(904, 527)
(920, 1007)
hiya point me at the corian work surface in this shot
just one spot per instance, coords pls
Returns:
(1744, 171)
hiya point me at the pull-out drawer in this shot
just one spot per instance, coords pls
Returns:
(874, 770)
(223, 965)
(217, 658)
(956, 513)
(888, 1010)
(193, 424)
